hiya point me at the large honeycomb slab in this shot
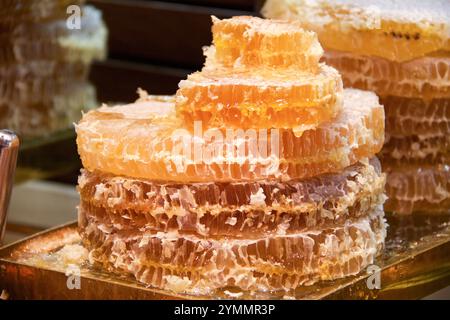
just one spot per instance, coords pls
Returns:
(145, 140)
(186, 263)
(234, 209)
(395, 30)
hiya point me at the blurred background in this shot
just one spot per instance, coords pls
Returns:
(155, 44)
(148, 44)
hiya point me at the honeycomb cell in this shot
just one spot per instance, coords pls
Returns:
(234, 209)
(418, 189)
(414, 116)
(147, 140)
(417, 150)
(186, 263)
(426, 78)
(394, 30)
(252, 42)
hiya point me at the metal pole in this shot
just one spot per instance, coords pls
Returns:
(9, 147)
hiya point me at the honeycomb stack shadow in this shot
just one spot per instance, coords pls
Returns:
(304, 208)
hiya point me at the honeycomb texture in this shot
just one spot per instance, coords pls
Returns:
(426, 77)
(417, 150)
(414, 116)
(418, 189)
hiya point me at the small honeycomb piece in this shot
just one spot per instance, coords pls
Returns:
(249, 42)
(418, 189)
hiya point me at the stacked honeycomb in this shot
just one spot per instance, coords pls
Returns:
(400, 50)
(44, 64)
(307, 208)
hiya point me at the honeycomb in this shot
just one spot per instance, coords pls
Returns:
(418, 189)
(52, 40)
(426, 77)
(139, 140)
(254, 176)
(417, 150)
(234, 209)
(395, 30)
(414, 116)
(260, 98)
(187, 263)
(248, 42)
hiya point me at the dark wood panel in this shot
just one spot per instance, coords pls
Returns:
(159, 32)
(117, 81)
(249, 5)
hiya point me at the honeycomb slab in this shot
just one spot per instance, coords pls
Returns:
(418, 189)
(425, 78)
(144, 140)
(392, 29)
(260, 98)
(248, 42)
(235, 209)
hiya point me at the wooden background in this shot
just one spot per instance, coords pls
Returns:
(155, 44)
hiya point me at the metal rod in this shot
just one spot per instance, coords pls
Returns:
(9, 147)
